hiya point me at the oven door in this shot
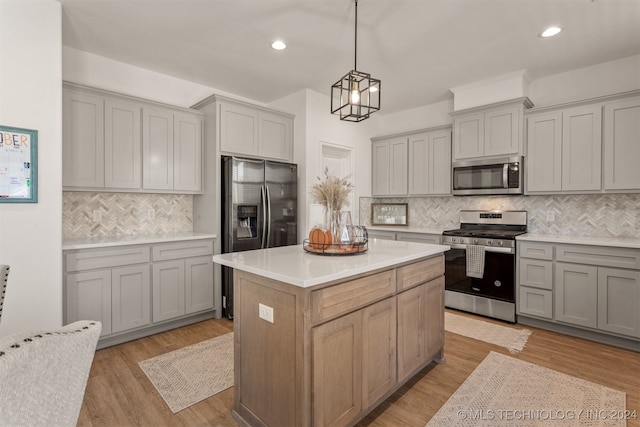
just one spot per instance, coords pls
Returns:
(498, 281)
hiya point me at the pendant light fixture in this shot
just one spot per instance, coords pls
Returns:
(356, 95)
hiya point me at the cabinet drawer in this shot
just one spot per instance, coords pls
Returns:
(433, 239)
(536, 302)
(599, 255)
(105, 258)
(420, 272)
(185, 249)
(345, 297)
(536, 273)
(535, 250)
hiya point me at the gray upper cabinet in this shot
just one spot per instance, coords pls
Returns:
(622, 144)
(489, 131)
(563, 150)
(254, 131)
(429, 156)
(584, 147)
(83, 141)
(122, 142)
(113, 142)
(415, 164)
(157, 157)
(389, 167)
(275, 136)
(172, 151)
(544, 152)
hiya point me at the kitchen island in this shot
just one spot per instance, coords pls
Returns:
(322, 340)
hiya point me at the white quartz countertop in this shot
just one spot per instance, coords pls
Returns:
(102, 242)
(405, 229)
(291, 264)
(617, 242)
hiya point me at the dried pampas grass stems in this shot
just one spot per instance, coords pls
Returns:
(332, 191)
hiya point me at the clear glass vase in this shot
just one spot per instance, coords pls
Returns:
(332, 223)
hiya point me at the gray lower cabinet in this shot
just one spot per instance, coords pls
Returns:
(576, 294)
(619, 301)
(591, 287)
(381, 234)
(430, 238)
(433, 239)
(133, 288)
(182, 287)
(130, 298)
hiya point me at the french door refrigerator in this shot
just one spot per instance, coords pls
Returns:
(259, 210)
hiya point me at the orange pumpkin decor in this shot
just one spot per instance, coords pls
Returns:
(319, 238)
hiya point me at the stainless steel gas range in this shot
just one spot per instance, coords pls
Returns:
(480, 266)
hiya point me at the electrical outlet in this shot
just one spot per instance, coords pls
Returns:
(550, 215)
(97, 215)
(265, 312)
(151, 213)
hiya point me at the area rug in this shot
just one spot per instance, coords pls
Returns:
(505, 391)
(512, 339)
(191, 374)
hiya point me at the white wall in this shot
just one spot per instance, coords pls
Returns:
(427, 116)
(589, 82)
(31, 97)
(104, 73)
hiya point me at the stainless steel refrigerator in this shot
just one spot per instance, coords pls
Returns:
(259, 210)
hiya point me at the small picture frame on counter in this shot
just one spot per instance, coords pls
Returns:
(389, 214)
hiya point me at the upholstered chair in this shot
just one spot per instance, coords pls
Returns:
(4, 276)
(43, 374)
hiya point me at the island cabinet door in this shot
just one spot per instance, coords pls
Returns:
(411, 331)
(378, 350)
(337, 371)
(434, 321)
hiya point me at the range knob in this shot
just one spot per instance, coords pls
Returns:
(475, 241)
(489, 242)
(500, 243)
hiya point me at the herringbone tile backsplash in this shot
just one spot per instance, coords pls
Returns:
(86, 214)
(607, 215)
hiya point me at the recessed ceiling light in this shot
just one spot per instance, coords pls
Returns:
(550, 32)
(278, 45)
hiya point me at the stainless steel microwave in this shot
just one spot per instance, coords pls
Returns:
(488, 177)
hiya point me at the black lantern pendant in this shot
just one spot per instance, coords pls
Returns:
(356, 95)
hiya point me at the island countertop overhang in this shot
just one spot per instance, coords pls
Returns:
(295, 266)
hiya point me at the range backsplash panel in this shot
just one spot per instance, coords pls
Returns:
(606, 215)
(87, 214)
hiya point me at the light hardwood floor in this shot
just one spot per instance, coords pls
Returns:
(119, 394)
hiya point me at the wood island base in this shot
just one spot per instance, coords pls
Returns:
(329, 354)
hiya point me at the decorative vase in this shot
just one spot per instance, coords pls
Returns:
(332, 223)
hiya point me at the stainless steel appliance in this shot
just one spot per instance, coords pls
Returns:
(259, 210)
(488, 177)
(486, 236)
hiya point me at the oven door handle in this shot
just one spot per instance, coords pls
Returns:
(486, 248)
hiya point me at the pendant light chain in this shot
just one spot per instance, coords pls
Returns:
(355, 50)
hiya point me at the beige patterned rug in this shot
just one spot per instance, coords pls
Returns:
(186, 376)
(513, 339)
(505, 391)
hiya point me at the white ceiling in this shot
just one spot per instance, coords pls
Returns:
(418, 48)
